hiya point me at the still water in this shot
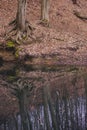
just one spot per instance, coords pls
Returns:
(43, 97)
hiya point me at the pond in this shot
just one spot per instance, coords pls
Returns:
(43, 97)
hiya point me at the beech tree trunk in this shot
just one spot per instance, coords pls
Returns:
(45, 10)
(21, 15)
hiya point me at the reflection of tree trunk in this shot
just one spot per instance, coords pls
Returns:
(46, 108)
(76, 106)
(30, 123)
(5, 127)
(85, 85)
(52, 111)
(36, 120)
(74, 83)
(65, 98)
(45, 10)
(61, 114)
(23, 112)
(21, 90)
(16, 122)
(58, 111)
(72, 114)
(10, 127)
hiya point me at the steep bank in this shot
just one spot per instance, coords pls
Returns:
(66, 37)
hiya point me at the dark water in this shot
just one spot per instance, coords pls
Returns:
(49, 97)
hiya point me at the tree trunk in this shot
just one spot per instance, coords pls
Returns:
(21, 29)
(45, 10)
(21, 15)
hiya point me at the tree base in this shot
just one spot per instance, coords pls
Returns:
(44, 22)
(19, 36)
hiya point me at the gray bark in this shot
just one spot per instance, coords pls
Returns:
(21, 15)
(45, 4)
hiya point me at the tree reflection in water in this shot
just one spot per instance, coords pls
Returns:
(59, 112)
(63, 114)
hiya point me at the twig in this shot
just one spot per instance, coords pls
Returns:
(77, 14)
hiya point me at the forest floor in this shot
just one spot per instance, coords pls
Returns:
(66, 37)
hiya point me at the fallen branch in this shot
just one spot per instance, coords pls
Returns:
(77, 14)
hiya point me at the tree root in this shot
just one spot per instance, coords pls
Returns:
(19, 36)
(13, 22)
(77, 14)
(44, 22)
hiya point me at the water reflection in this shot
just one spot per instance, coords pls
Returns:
(68, 114)
(48, 99)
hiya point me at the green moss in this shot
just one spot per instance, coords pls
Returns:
(17, 52)
(11, 78)
(10, 44)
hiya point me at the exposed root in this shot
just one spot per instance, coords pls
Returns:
(19, 36)
(44, 22)
(13, 22)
